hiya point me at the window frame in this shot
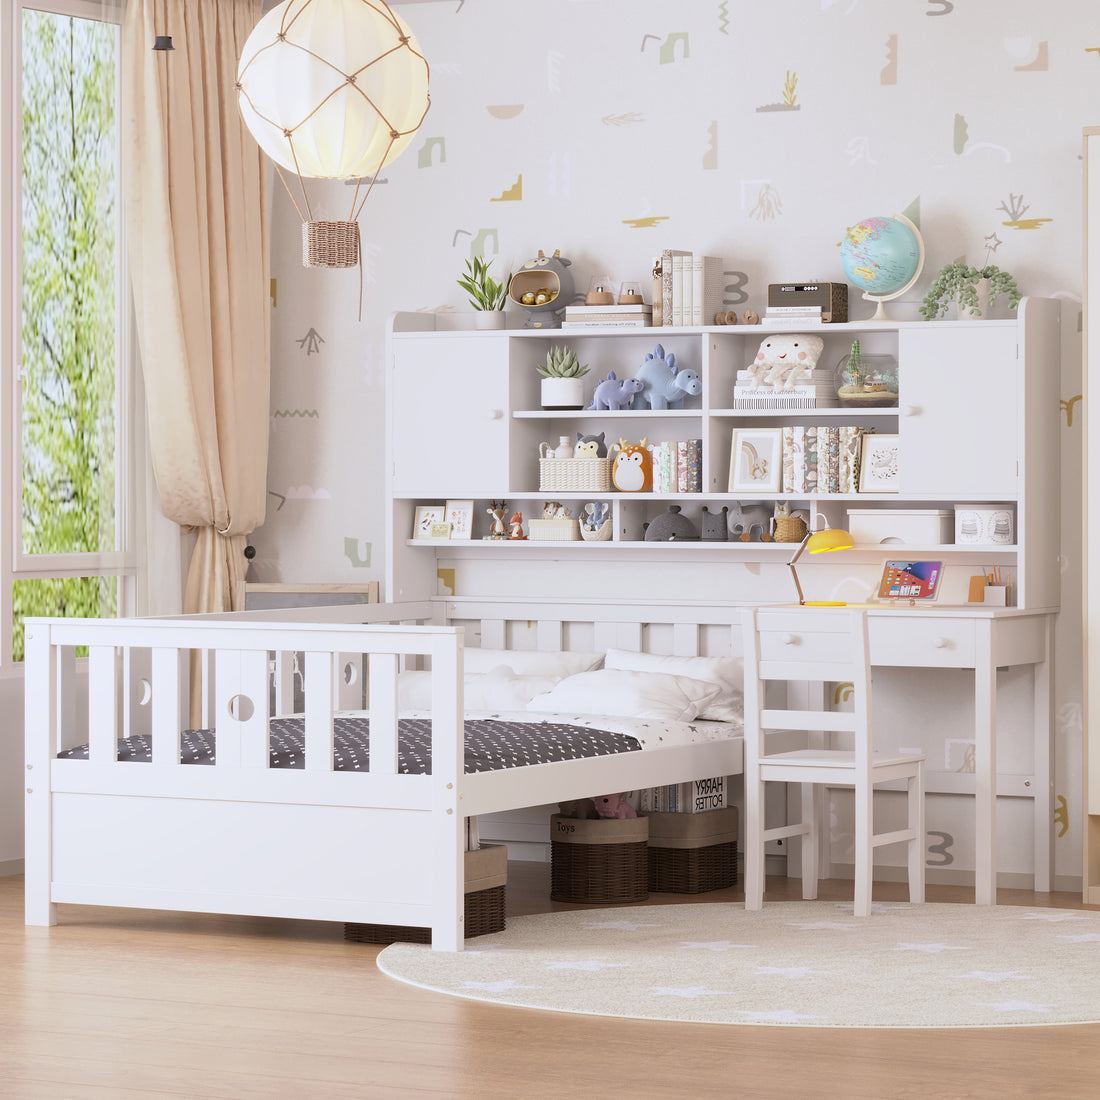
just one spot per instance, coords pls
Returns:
(15, 563)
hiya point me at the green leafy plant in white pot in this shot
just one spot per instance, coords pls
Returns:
(562, 379)
(974, 288)
(486, 295)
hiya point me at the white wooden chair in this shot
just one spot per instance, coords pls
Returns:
(827, 648)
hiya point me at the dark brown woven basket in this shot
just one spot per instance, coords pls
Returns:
(484, 914)
(693, 853)
(693, 870)
(485, 872)
(598, 861)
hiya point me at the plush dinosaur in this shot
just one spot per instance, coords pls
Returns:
(615, 393)
(663, 385)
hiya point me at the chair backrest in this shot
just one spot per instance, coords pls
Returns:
(815, 646)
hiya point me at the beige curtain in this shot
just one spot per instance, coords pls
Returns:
(197, 217)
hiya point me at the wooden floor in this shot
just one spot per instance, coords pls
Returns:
(121, 1004)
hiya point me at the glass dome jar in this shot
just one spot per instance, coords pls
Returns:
(866, 381)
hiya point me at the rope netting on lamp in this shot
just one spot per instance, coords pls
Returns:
(332, 89)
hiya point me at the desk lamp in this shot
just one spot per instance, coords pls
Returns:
(817, 542)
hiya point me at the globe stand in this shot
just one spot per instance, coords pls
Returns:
(880, 300)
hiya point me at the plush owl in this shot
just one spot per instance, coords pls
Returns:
(632, 471)
(590, 446)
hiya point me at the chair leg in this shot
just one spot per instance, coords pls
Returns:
(811, 819)
(754, 843)
(916, 845)
(864, 854)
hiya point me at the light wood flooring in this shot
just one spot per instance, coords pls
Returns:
(117, 1004)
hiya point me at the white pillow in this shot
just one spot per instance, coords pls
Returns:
(499, 689)
(628, 694)
(727, 672)
(529, 662)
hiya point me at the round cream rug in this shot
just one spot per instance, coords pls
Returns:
(807, 964)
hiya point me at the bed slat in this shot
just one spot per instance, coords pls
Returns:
(319, 711)
(166, 705)
(383, 713)
(103, 700)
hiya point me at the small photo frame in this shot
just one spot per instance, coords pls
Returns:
(460, 515)
(756, 460)
(427, 515)
(878, 464)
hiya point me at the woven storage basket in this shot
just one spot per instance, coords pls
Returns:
(574, 475)
(598, 861)
(693, 853)
(790, 529)
(601, 534)
(486, 872)
(554, 530)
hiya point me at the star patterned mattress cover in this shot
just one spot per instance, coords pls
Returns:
(492, 741)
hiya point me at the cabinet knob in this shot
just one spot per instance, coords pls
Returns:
(790, 639)
(496, 414)
(941, 642)
(911, 410)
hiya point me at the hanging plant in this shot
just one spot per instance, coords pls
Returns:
(958, 282)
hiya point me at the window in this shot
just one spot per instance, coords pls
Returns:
(65, 538)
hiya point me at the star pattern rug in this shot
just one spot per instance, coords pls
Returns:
(806, 964)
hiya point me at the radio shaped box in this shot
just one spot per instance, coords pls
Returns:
(830, 298)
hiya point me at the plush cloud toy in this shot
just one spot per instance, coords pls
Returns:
(784, 361)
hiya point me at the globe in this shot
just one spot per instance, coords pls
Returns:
(882, 257)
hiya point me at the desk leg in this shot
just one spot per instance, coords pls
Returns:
(985, 769)
(1044, 763)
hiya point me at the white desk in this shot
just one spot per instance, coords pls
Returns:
(972, 636)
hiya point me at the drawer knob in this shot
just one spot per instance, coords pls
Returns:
(911, 410)
(791, 639)
(496, 414)
(941, 642)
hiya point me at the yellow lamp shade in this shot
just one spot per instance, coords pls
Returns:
(832, 538)
(332, 89)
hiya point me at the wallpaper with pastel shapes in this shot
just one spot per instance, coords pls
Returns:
(611, 129)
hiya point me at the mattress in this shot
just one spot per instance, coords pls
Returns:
(492, 743)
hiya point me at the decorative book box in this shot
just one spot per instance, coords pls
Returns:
(601, 860)
(575, 475)
(817, 393)
(486, 874)
(554, 530)
(693, 853)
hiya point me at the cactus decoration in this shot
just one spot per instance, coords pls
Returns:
(562, 362)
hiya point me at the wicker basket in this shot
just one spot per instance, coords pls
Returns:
(693, 853)
(574, 475)
(486, 873)
(330, 244)
(598, 861)
(790, 529)
(601, 534)
(554, 530)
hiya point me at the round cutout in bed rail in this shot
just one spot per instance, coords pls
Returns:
(351, 673)
(241, 708)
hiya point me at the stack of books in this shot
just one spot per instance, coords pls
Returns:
(677, 466)
(821, 458)
(691, 288)
(816, 392)
(694, 797)
(792, 316)
(639, 315)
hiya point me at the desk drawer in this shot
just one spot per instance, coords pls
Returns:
(922, 643)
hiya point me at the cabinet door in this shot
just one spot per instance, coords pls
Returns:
(958, 410)
(450, 417)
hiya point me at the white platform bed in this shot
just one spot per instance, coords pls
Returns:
(371, 846)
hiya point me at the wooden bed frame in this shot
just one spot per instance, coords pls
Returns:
(241, 837)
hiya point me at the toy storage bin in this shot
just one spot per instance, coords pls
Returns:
(876, 526)
(554, 530)
(693, 853)
(601, 860)
(486, 874)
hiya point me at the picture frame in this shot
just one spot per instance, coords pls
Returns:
(879, 464)
(756, 460)
(460, 515)
(425, 517)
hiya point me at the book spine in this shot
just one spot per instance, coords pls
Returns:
(656, 290)
(786, 483)
(678, 289)
(798, 452)
(682, 466)
(811, 458)
(830, 451)
(695, 465)
(666, 287)
(850, 445)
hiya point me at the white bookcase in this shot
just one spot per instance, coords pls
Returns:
(977, 422)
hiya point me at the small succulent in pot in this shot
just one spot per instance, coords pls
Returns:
(958, 282)
(562, 384)
(562, 362)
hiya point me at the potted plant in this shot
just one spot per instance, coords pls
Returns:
(487, 296)
(974, 288)
(562, 374)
